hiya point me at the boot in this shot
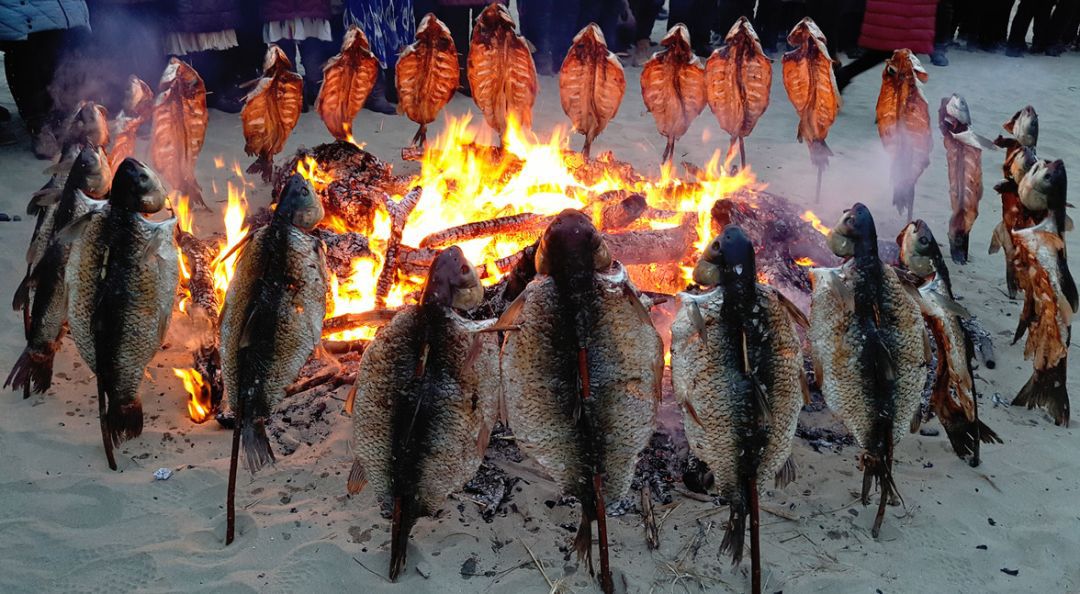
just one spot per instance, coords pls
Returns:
(938, 58)
(377, 101)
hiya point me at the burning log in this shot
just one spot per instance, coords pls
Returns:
(622, 214)
(199, 257)
(342, 248)
(519, 223)
(351, 321)
(652, 246)
(399, 213)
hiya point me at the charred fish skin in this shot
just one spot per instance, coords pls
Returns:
(581, 375)
(122, 275)
(953, 397)
(869, 343)
(272, 317)
(736, 367)
(428, 387)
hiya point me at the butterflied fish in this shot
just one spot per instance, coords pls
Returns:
(1050, 301)
(347, 81)
(811, 86)
(271, 321)
(963, 156)
(122, 275)
(271, 111)
(427, 74)
(673, 87)
(870, 350)
(137, 107)
(591, 84)
(47, 259)
(179, 128)
(426, 393)
(738, 77)
(737, 371)
(953, 398)
(581, 376)
(903, 122)
(1024, 126)
(501, 72)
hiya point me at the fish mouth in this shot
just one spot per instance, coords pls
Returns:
(915, 248)
(299, 204)
(570, 240)
(452, 281)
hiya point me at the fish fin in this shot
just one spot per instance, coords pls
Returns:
(1047, 389)
(264, 167)
(819, 376)
(964, 435)
(735, 531)
(797, 315)
(787, 473)
(73, 230)
(635, 303)
(1021, 327)
(401, 523)
(883, 361)
(690, 410)
(974, 140)
(43, 198)
(32, 369)
(474, 351)
(583, 540)
(234, 249)
(257, 450)
(508, 319)
(694, 312)
(357, 478)
(1068, 284)
(22, 294)
(1069, 225)
(350, 400)
(804, 385)
(123, 421)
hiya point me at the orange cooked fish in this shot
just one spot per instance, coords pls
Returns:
(673, 87)
(427, 75)
(180, 119)
(347, 81)
(591, 84)
(138, 104)
(811, 87)
(963, 155)
(271, 111)
(737, 80)
(903, 120)
(501, 70)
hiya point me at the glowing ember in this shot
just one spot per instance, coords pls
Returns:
(198, 394)
(309, 168)
(813, 219)
(805, 262)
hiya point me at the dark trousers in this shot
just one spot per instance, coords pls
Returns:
(869, 59)
(729, 11)
(645, 12)
(944, 30)
(991, 21)
(1028, 11)
(1064, 22)
(550, 25)
(30, 65)
(313, 55)
(698, 16)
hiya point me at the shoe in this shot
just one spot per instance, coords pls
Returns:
(230, 100)
(641, 53)
(377, 101)
(311, 93)
(855, 53)
(8, 135)
(662, 14)
(45, 145)
(1055, 50)
(1014, 51)
(390, 76)
(938, 58)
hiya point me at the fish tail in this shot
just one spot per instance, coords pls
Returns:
(1046, 389)
(819, 153)
(264, 167)
(257, 450)
(958, 246)
(193, 191)
(32, 368)
(877, 469)
(125, 421)
(903, 197)
(1010, 278)
(735, 532)
(402, 519)
(583, 540)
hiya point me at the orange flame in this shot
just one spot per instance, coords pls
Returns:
(813, 219)
(198, 394)
(349, 137)
(309, 168)
(805, 262)
(235, 231)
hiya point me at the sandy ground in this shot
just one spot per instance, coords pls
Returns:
(68, 524)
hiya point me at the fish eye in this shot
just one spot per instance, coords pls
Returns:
(464, 269)
(924, 241)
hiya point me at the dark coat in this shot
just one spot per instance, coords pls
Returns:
(897, 24)
(207, 16)
(284, 10)
(19, 18)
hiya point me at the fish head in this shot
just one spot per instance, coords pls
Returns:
(805, 31)
(1024, 126)
(1020, 163)
(298, 204)
(919, 250)
(136, 187)
(89, 124)
(571, 241)
(904, 65)
(136, 94)
(737, 262)
(452, 281)
(677, 39)
(495, 16)
(431, 27)
(354, 37)
(91, 172)
(170, 74)
(854, 232)
(275, 60)
(591, 34)
(1044, 185)
(954, 114)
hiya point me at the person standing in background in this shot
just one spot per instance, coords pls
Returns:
(699, 16)
(645, 14)
(943, 33)
(389, 25)
(301, 26)
(34, 35)
(459, 16)
(550, 26)
(990, 24)
(890, 25)
(1029, 11)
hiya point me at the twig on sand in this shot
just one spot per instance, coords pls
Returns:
(551, 585)
(372, 572)
(652, 530)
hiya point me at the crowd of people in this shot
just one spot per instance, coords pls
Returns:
(59, 51)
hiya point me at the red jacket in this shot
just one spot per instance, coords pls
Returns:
(896, 24)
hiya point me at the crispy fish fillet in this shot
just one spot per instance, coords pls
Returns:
(122, 274)
(271, 111)
(427, 75)
(427, 391)
(138, 105)
(1050, 300)
(811, 87)
(963, 156)
(673, 87)
(179, 129)
(347, 81)
(591, 84)
(903, 121)
(738, 77)
(501, 72)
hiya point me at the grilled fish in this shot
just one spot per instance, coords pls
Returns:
(47, 260)
(953, 398)
(138, 105)
(501, 72)
(88, 124)
(811, 87)
(963, 156)
(347, 81)
(870, 349)
(903, 121)
(738, 76)
(179, 128)
(1019, 159)
(591, 84)
(271, 111)
(427, 75)
(427, 387)
(122, 275)
(1024, 126)
(271, 320)
(581, 377)
(673, 87)
(736, 368)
